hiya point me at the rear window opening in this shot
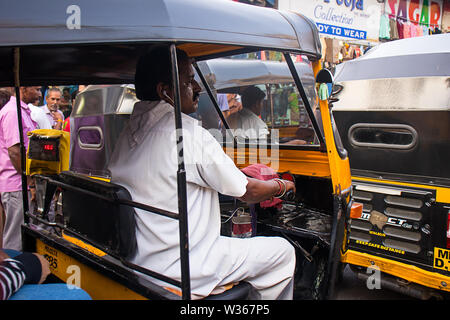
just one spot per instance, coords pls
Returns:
(393, 136)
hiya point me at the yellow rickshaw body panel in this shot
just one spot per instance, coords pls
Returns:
(95, 284)
(398, 269)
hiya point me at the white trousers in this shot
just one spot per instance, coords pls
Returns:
(267, 263)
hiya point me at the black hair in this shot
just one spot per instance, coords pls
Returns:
(5, 95)
(251, 95)
(152, 68)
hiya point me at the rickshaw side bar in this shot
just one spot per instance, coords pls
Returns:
(118, 201)
(149, 208)
(105, 249)
(181, 182)
(302, 92)
(150, 273)
(211, 96)
(19, 120)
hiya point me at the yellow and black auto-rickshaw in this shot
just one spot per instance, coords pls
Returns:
(392, 110)
(92, 232)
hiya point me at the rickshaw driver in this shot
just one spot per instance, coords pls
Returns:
(267, 263)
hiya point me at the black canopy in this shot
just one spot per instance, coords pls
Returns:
(86, 41)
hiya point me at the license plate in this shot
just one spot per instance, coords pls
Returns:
(441, 259)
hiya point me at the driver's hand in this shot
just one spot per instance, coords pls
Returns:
(289, 185)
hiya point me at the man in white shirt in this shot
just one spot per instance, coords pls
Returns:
(145, 162)
(251, 125)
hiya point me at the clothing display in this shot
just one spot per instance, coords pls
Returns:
(384, 27)
(393, 29)
(401, 28)
(413, 29)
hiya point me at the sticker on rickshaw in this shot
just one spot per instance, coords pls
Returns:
(60, 264)
(441, 259)
(49, 253)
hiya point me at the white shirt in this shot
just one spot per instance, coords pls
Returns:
(145, 162)
(39, 116)
(49, 115)
(250, 126)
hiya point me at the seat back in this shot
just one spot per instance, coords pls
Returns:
(98, 216)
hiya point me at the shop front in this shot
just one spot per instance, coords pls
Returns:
(413, 18)
(348, 28)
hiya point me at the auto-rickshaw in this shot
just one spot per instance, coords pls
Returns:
(392, 110)
(92, 232)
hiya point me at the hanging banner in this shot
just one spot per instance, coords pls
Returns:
(425, 12)
(348, 19)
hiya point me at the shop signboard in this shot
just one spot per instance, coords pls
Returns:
(425, 12)
(347, 19)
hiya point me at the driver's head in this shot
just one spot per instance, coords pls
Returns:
(253, 99)
(153, 78)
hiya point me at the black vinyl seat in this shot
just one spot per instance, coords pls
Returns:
(100, 218)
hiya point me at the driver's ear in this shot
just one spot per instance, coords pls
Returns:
(164, 92)
(160, 90)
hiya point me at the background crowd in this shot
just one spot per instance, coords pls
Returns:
(41, 108)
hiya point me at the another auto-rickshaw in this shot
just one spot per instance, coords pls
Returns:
(91, 236)
(392, 109)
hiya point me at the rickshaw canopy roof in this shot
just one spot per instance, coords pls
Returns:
(426, 56)
(85, 41)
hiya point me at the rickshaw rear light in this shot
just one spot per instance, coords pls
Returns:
(356, 210)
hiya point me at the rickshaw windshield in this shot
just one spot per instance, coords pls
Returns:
(259, 100)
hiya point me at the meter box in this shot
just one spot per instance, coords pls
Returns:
(48, 151)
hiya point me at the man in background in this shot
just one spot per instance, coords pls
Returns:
(11, 165)
(51, 108)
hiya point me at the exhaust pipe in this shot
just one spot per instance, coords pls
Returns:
(410, 289)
